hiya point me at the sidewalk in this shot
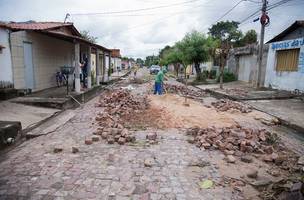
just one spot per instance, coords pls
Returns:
(41, 107)
(284, 105)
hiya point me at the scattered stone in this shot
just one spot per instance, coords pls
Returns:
(301, 160)
(75, 150)
(57, 150)
(268, 149)
(261, 183)
(226, 104)
(238, 141)
(140, 189)
(121, 140)
(297, 187)
(95, 138)
(191, 140)
(274, 172)
(252, 174)
(88, 141)
(151, 136)
(110, 140)
(228, 152)
(185, 91)
(246, 159)
(231, 159)
(104, 135)
(199, 163)
(148, 162)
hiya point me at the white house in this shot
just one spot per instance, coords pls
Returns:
(285, 63)
(116, 59)
(32, 52)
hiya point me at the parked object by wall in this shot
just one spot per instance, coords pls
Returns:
(285, 66)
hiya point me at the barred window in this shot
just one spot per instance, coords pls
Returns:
(287, 60)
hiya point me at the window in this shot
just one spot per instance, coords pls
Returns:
(287, 60)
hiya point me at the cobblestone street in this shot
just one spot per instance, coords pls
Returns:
(103, 171)
(58, 164)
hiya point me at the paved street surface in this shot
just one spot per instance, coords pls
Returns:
(102, 171)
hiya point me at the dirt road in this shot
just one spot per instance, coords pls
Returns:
(172, 168)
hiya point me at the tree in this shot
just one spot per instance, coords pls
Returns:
(226, 30)
(86, 35)
(250, 37)
(151, 60)
(195, 48)
(163, 51)
(172, 56)
(140, 61)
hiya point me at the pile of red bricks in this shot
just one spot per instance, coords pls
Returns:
(183, 91)
(226, 104)
(118, 105)
(236, 140)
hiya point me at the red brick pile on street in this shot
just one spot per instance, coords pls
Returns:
(239, 141)
(118, 106)
(226, 104)
(184, 91)
(237, 91)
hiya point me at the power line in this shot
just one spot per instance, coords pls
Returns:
(151, 14)
(272, 6)
(226, 13)
(136, 10)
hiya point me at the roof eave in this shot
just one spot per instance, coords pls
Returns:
(295, 25)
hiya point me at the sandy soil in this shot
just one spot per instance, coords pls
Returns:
(197, 114)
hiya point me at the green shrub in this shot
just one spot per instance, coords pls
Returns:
(212, 74)
(201, 77)
(228, 77)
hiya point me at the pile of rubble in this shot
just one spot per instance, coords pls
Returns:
(122, 102)
(226, 104)
(238, 141)
(184, 91)
(237, 91)
(118, 106)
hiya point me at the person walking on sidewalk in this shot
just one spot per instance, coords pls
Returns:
(159, 79)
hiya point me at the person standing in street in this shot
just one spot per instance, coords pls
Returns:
(84, 66)
(159, 79)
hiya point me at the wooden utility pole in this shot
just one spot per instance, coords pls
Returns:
(222, 66)
(261, 46)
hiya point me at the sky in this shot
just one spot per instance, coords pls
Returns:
(139, 33)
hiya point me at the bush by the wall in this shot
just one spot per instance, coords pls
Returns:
(228, 77)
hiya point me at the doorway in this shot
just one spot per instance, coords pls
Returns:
(28, 65)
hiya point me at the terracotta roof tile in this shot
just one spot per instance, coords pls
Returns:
(34, 25)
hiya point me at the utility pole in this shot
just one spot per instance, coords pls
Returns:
(264, 22)
(222, 65)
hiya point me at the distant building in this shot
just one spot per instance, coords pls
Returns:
(116, 59)
(285, 63)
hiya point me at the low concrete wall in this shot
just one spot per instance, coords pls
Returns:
(285, 80)
(243, 63)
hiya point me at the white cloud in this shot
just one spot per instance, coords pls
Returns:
(150, 30)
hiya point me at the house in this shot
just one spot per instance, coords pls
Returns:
(116, 59)
(32, 52)
(285, 63)
(243, 63)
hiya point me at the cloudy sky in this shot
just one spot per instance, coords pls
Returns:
(142, 27)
